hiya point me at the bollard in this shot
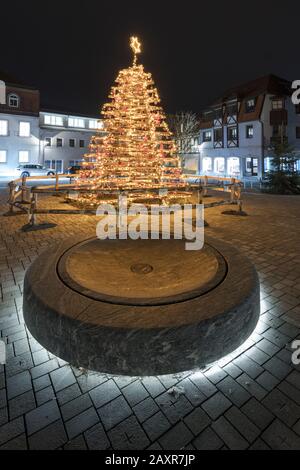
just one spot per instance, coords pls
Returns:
(24, 189)
(205, 185)
(56, 182)
(33, 206)
(12, 187)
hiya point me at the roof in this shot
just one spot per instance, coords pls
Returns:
(266, 84)
(68, 113)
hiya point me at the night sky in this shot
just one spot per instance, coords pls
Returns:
(195, 50)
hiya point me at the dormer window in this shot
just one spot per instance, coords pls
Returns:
(250, 105)
(13, 100)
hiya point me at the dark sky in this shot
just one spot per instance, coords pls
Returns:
(72, 50)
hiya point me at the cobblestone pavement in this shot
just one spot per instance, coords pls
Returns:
(249, 400)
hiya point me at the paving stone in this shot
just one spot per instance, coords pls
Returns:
(277, 368)
(104, 393)
(41, 382)
(259, 444)
(267, 381)
(18, 443)
(18, 384)
(81, 422)
(240, 421)
(289, 390)
(49, 438)
(44, 368)
(90, 381)
(21, 346)
(252, 386)
(279, 339)
(76, 444)
(153, 385)
(279, 437)
(289, 330)
(128, 435)
(257, 355)
(233, 391)
(208, 440)
(39, 357)
(176, 438)
(2, 380)
(45, 395)
(250, 367)
(21, 404)
(3, 400)
(114, 412)
(96, 438)
(216, 405)
(229, 434)
(197, 421)
(145, 409)
(3, 416)
(232, 370)
(174, 407)
(76, 406)
(135, 393)
(41, 417)
(281, 406)
(11, 430)
(68, 394)
(156, 426)
(294, 379)
(268, 347)
(191, 392)
(204, 385)
(257, 413)
(215, 374)
(62, 378)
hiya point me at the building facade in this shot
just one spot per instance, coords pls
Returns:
(29, 134)
(239, 129)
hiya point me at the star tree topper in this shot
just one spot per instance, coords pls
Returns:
(136, 46)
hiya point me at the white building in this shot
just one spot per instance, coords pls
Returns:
(238, 130)
(30, 135)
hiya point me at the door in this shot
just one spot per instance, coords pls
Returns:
(251, 166)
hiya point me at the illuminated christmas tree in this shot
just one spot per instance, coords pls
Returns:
(135, 148)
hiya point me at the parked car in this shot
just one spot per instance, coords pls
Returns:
(34, 170)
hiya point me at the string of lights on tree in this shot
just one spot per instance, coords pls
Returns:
(136, 149)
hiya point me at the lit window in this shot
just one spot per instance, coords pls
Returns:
(3, 156)
(277, 104)
(53, 120)
(233, 166)
(250, 105)
(24, 129)
(3, 127)
(219, 165)
(231, 133)
(13, 101)
(206, 136)
(94, 124)
(23, 156)
(76, 122)
(249, 132)
(207, 164)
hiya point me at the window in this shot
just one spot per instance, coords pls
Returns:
(297, 132)
(59, 142)
(250, 105)
(53, 120)
(3, 156)
(233, 166)
(207, 164)
(3, 127)
(218, 135)
(94, 124)
(72, 142)
(297, 108)
(48, 142)
(207, 136)
(81, 143)
(24, 129)
(231, 133)
(249, 132)
(23, 156)
(219, 165)
(76, 122)
(13, 101)
(277, 104)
